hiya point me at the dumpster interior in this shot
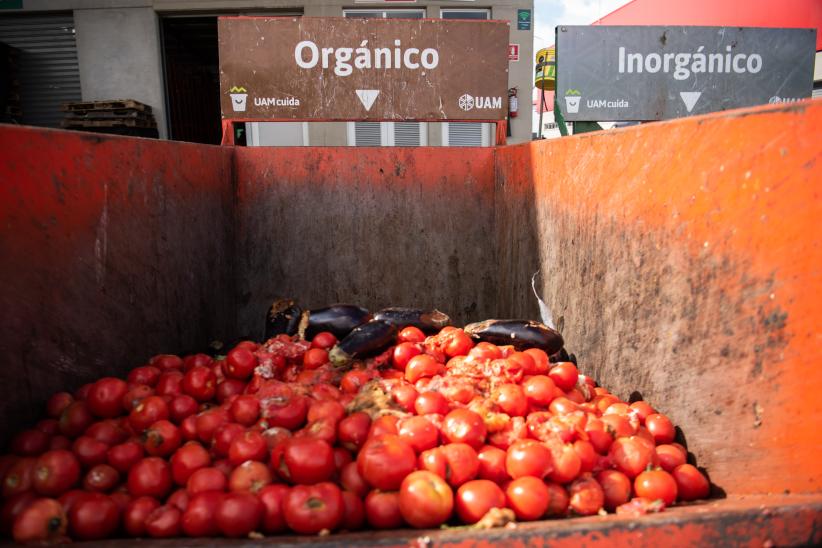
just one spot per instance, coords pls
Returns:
(680, 260)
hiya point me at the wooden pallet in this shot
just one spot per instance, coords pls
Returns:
(85, 106)
(112, 114)
(118, 122)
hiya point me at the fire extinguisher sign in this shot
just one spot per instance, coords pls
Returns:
(513, 52)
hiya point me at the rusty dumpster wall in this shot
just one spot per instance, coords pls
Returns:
(111, 250)
(684, 261)
(373, 226)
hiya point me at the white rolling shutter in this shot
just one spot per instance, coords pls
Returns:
(48, 70)
(465, 134)
(407, 134)
(367, 134)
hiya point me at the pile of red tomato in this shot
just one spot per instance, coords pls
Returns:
(272, 439)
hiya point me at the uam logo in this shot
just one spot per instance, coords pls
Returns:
(572, 100)
(238, 98)
(468, 102)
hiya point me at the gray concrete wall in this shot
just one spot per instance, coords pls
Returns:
(120, 57)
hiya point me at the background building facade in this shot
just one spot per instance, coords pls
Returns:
(164, 53)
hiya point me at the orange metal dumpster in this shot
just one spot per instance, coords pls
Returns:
(682, 261)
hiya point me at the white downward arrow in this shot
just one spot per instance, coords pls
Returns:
(367, 97)
(690, 98)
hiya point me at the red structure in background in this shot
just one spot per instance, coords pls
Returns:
(715, 13)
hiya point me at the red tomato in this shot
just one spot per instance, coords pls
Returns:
(353, 430)
(661, 428)
(147, 412)
(55, 472)
(425, 500)
(421, 366)
(308, 509)
(563, 406)
(539, 391)
(353, 512)
(324, 339)
(200, 383)
(19, 477)
(30, 443)
(564, 375)
(351, 480)
(206, 479)
(101, 478)
(587, 455)
(43, 521)
(528, 458)
(558, 500)
(186, 460)
(150, 477)
(566, 462)
(75, 419)
(656, 484)
(619, 425)
(475, 498)
(249, 445)
(59, 442)
(58, 403)
(227, 388)
(631, 455)
(384, 461)
(326, 409)
(146, 374)
(314, 358)
(670, 456)
(164, 522)
(353, 380)
(492, 464)
(527, 497)
(273, 499)
(166, 362)
(541, 364)
(82, 393)
(691, 484)
(240, 364)
(251, 476)
(224, 436)
(169, 384)
(464, 426)
(288, 410)
(419, 432)
(385, 424)
(485, 351)
(306, 461)
(431, 402)
(93, 516)
(587, 496)
(108, 431)
(411, 334)
(405, 395)
(135, 514)
(105, 397)
(403, 353)
(162, 438)
(616, 488)
(457, 343)
(89, 451)
(382, 509)
(525, 362)
(511, 399)
(182, 406)
(12, 507)
(48, 426)
(125, 455)
(136, 394)
(238, 514)
(642, 410)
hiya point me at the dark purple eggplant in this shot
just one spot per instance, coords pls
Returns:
(429, 321)
(366, 339)
(521, 334)
(283, 318)
(339, 319)
(561, 356)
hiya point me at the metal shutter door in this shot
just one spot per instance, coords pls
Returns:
(49, 73)
(367, 134)
(407, 134)
(465, 134)
(817, 92)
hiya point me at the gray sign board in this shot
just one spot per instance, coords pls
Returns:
(611, 73)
